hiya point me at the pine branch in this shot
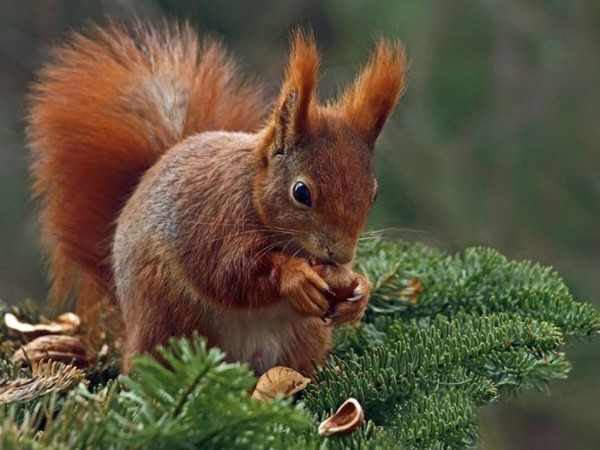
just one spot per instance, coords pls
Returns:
(480, 327)
(421, 425)
(46, 377)
(442, 346)
(197, 401)
(479, 281)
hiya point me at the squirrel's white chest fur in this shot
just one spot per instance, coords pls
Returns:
(260, 336)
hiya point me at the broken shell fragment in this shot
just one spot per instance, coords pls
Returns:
(67, 323)
(346, 419)
(66, 349)
(279, 382)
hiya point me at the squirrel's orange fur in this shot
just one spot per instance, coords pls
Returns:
(160, 189)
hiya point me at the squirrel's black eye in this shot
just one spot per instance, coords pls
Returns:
(301, 193)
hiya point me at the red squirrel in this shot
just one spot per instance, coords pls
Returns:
(168, 184)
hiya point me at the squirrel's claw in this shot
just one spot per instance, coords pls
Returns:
(355, 297)
(330, 319)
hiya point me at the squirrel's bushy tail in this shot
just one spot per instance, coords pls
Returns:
(102, 113)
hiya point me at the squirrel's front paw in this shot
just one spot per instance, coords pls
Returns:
(353, 307)
(304, 287)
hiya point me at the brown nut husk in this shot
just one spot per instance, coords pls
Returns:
(279, 381)
(66, 349)
(411, 291)
(67, 323)
(348, 418)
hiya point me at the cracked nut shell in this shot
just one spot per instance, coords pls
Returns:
(67, 323)
(348, 418)
(66, 349)
(279, 381)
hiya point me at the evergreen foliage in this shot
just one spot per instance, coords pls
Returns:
(475, 327)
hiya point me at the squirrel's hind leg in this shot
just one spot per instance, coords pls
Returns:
(309, 346)
(152, 316)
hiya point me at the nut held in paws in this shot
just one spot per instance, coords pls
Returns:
(339, 293)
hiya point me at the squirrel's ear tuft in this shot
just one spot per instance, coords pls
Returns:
(368, 103)
(296, 106)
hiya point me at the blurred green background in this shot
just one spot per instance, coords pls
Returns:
(496, 142)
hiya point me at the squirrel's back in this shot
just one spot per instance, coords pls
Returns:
(109, 105)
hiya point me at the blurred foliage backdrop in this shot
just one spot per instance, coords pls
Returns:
(496, 142)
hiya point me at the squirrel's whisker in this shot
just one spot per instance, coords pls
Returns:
(263, 227)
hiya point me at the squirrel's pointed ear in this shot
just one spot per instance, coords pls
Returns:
(368, 103)
(295, 108)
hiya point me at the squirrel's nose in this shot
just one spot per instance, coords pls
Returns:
(338, 257)
(330, 256)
